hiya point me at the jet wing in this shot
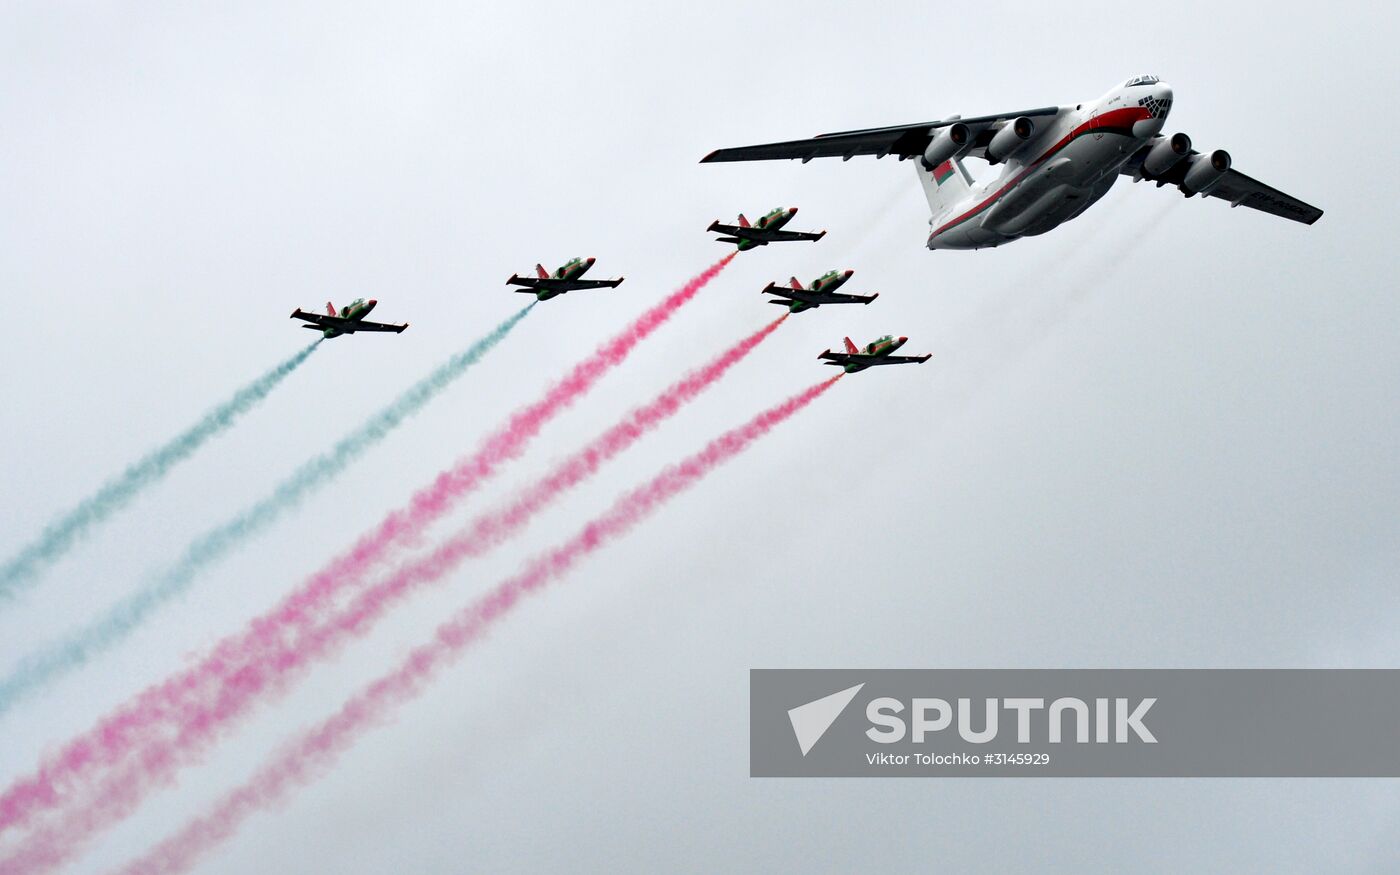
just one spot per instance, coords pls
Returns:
(344, 326)
(816, 299)
(763, 235)
(550, 284)
(1244, 191)
(905, 141)
(840, 358)
(1235, 187)
(318, 320)
(871, 361)
(351, 326)
(874, 361)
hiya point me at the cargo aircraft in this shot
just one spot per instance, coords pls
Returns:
(567, 278)
(1056, 162)
(350, 319)
(767, 230)
(821, 291)
(877, 352)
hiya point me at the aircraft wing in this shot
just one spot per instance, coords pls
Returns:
(905, 141)
(549, 284)
(873, 361)
(351, 326)
(840, 358)
(318, 320)
(1245, 191)
(764, 235)
(345, 326)
(816, 298)
(1238, 189)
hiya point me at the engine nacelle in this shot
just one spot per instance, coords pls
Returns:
(1165, 154)
(1010, 139)
(948, 143)
(1204, 172)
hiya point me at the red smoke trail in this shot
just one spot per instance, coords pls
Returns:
(119, 735)
(268, 653)
(315, 751)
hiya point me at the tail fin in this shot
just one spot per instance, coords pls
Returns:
(944, 185)
(851, 347)
(743, 222)
(330, 309)
(795, 284)
(539, 269)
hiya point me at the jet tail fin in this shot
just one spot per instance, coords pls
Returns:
(793, 283)
(539, 269)
(851, 347)
(743, 222)
(330, 309)
(944, 185)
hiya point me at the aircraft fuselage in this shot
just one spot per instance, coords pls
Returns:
(772, 221)
(1064, 168)
(356, 310)
(831, 280)
(570, 270)
(877, 349)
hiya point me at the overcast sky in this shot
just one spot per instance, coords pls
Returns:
(1164, 435)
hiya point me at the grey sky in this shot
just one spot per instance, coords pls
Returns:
(1157, 437)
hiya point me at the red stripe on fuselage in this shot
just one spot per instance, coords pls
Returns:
(1114, 121)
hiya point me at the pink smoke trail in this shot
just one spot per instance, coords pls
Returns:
(118, 735)
(312, 753)
(268, 656)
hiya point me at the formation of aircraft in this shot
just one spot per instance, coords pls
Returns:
(349, 320)
(821, 291)
(567, 278)
(875, 353)
(1056, 162)
(767, 230)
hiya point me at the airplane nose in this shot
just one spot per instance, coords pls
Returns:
(372, 302)
(849, 274)
(792, 211)
(591, 259)
(904, 340)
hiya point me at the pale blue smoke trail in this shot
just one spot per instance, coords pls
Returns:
(21, 571)
(61, 657)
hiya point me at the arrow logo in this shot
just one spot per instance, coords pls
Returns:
(811, 721)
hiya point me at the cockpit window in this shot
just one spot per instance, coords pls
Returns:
(1141, 80)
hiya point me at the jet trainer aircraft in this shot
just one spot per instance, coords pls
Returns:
(566, 279)
(821, 291)
(350, 319)
(1057, 161)
(767, 231)
(877, 352)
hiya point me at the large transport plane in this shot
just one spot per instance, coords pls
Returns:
(567, 278)
(1057, 161)
(350, 319)
(878, 352)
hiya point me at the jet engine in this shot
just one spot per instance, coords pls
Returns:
(1009, 139)
(1204, 172)
(1165, 154)
(947, 143)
